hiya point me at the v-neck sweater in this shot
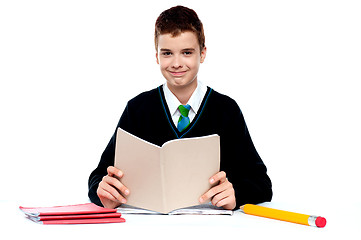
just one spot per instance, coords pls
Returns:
(147, 116)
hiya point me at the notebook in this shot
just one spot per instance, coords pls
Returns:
(72, 214)
(169, 177)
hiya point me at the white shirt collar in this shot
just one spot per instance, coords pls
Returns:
(194, 101)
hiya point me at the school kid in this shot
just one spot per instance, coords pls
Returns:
(184, 107)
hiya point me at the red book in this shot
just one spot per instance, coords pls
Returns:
(84, 221)
(73, 214)
(87, 208)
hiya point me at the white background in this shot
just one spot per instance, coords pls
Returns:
(67, 69)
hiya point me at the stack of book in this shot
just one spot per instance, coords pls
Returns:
(72, 214)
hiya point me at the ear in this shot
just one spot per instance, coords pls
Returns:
(156, 56)
(203, 54)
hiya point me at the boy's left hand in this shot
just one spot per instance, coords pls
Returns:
(222, 194)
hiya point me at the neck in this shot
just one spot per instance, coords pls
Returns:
(183, 93)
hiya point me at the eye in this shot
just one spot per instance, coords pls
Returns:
(166, 53)
(187, 53)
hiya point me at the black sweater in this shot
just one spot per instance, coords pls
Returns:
(147, 116)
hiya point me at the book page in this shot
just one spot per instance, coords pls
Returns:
(203, 209)
(139, 161)
(187, 166)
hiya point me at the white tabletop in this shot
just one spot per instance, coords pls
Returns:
(343, 223)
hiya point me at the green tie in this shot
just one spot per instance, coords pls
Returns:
(183, 120)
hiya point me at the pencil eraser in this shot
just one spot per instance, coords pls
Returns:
(320, 222)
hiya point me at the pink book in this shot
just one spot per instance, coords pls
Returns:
(72, 214)
(87, 208)
(83, 221)
(75, 216)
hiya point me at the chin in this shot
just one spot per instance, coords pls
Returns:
(180, 82)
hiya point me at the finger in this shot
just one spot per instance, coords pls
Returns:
(216, 190)
(227, 203)
(224, 189)
(102, 194)
(107, 191)
(212, 192)
(223, 198)
(113, 171)
(220, 176)
(116, 184)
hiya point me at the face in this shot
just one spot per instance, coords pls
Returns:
(179, 59)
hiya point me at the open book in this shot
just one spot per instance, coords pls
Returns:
(170, 177)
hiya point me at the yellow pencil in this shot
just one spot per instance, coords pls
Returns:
(304, 219)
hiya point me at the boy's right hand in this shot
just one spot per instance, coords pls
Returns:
(111, 191)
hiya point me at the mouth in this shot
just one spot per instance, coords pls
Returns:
(178, 74)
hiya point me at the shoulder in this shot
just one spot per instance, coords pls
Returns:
(147, 97)
(137, 109)
(227, 110)
(223, 101)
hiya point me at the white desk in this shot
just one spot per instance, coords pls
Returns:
(237, 226)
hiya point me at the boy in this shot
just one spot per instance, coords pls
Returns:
(181, 108)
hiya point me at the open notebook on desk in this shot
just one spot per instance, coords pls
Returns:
(203, 209)
(169, 177)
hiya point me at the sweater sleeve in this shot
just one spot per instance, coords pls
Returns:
(241, 162)
(107, 159)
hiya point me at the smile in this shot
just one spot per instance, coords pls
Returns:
(178, 74)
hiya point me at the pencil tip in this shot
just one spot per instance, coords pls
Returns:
(242, 208)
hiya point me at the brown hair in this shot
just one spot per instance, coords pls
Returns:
(177, 20)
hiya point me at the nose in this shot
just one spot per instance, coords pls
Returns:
(177, 62)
